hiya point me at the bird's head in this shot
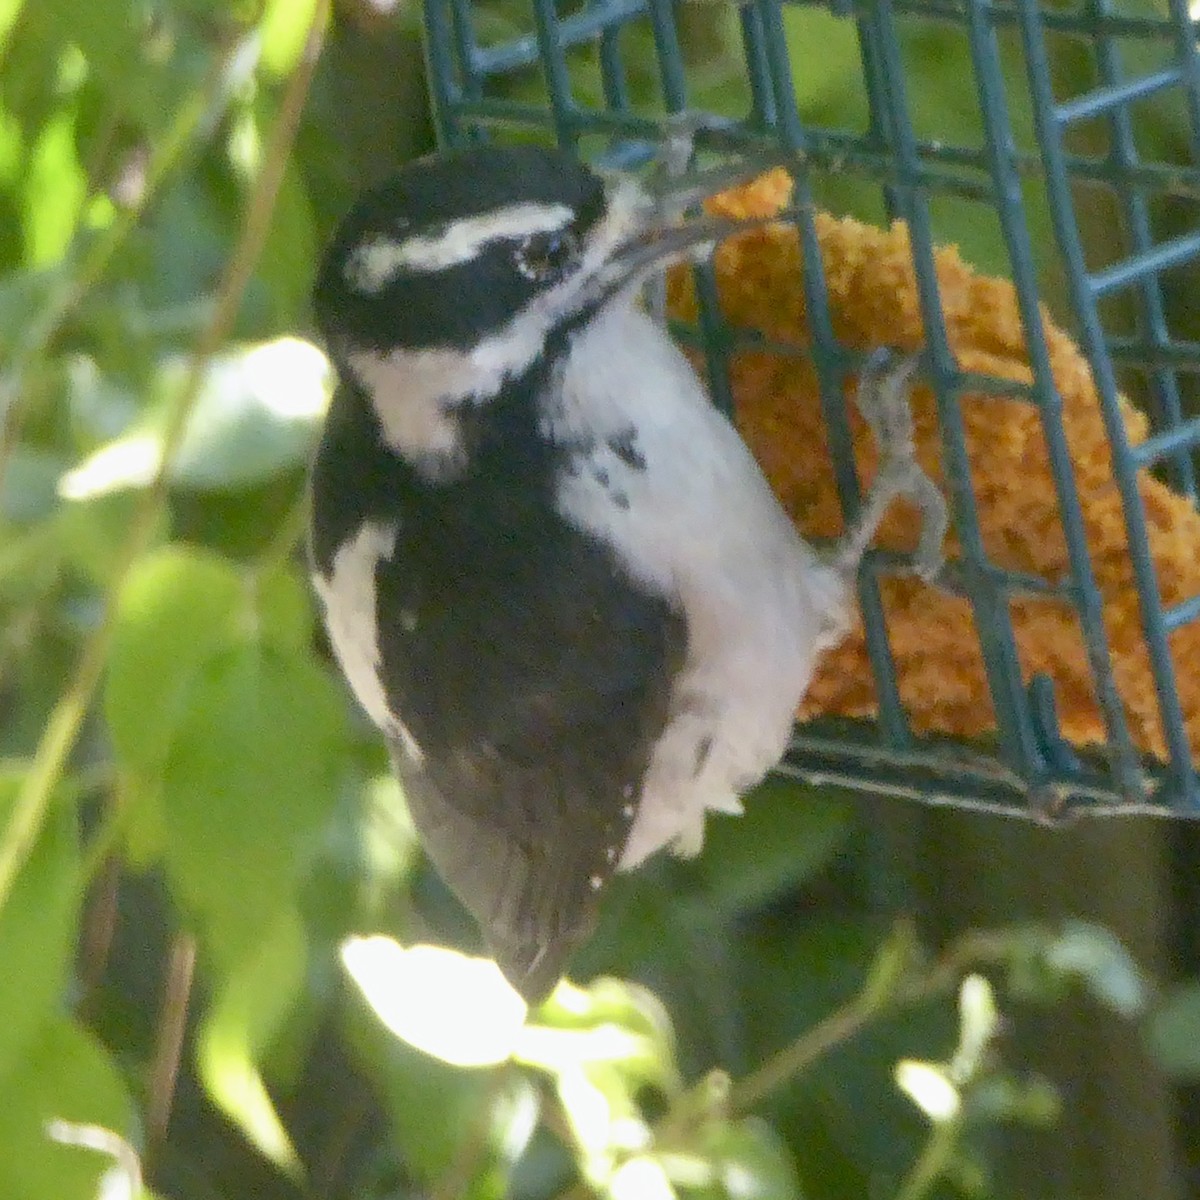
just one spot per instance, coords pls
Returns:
(457, 273)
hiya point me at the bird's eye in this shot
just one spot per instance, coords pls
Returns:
(545, 256)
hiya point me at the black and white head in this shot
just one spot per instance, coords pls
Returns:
(461, 270)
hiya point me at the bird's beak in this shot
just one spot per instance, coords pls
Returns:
(662, 224)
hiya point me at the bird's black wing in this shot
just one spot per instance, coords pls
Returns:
(534, 678)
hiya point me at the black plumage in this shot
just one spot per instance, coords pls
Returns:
(531, 672)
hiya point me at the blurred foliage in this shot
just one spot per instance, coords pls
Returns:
(210, 898)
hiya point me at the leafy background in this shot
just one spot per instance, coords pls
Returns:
(197, 829)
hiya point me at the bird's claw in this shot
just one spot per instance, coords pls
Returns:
(884, 387)
(676, 154)
(674, 159)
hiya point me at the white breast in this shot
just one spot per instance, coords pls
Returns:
(702, 527)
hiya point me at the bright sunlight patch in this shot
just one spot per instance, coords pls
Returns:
(450, 1005)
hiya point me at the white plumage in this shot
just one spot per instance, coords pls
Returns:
(702, 529)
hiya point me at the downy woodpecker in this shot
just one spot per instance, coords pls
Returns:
(551, 571)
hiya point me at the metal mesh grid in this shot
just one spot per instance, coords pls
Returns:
(1039, 147)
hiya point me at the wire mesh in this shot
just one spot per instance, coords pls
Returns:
(1067, 117)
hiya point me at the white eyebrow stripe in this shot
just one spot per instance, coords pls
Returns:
(374, 264)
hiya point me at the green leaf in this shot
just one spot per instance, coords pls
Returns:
(285, 268)
(432, 1105)
(283, 28)
(1044, 961)
(38, 926)
(453, 1006)
(65, 1074)
(249, 782)
(92, 532)
(1174, 1031)
(250, 1006)
(285, 610)
(55, 188)
(609, 1026)
(1095, 955)
(257, 416)
(787, 832)
(610, 1022)
(177, 610)
(9, 11)
(749, 1161)
(27, 487)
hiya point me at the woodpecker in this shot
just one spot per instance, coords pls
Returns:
(550, 570)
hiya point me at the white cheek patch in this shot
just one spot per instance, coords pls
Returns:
(378, 261)
(410, 391)
(415, 393)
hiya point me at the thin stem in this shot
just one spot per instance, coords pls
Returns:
(99, 927)
(931, 1163)
(67, 717)
(168, 1043)
(811, 1046)
(895, 982)
(872, 1001)
(101, 846)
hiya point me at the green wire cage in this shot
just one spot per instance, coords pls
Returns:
(1035, 111)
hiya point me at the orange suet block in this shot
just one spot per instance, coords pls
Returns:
(873, 298)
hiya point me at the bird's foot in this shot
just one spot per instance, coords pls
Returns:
(884, 389)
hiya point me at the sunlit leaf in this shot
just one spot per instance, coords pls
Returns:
(978, 1022)
(9, 11)
(1094, 955)
(256, 416)
(453, 1006)
(432, 1105)
(249, 781)
(611, 1029)
(64, 1074)
(609, 1001)
(747, 1160)
(54, 191)
(597, 1122)
(929, 1088)
(177, 609)
(38, 925)
(250, 1005)
(283, 28)
(640, 1178)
